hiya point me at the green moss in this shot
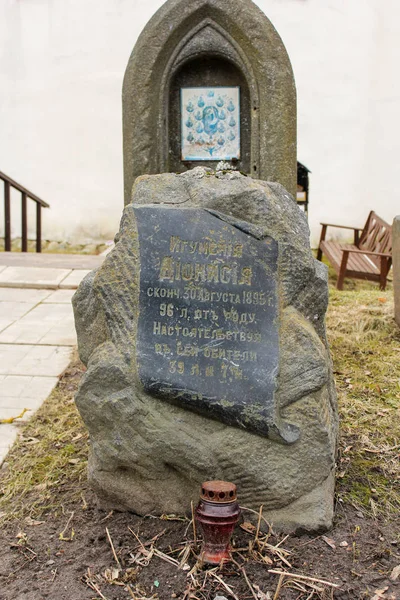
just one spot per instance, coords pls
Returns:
(253, 413)
(226, 403)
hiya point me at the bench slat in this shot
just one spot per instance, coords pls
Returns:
(356, 262)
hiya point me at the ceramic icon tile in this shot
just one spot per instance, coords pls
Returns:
(210, 123)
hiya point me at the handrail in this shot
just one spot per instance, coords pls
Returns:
(8, 183)
(21, 188)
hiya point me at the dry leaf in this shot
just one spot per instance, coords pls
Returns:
(329, 541)
(378, 594)
(31, 440)
(395, 573)
(373, 506)
(41, 486)
(129, 575)
(261, 594)
(73, 461)
(77, 437)
(111, 575)
(249, 527)
(12, 419)
(30, 521)
(383, 300)
(22, 538)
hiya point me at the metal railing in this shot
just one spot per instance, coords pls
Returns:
(25, 194)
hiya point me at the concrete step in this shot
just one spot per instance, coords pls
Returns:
(49, 260)
(45, 271)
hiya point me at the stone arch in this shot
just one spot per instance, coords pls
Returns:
(225, 37)
(210, 50)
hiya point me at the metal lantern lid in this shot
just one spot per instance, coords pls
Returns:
(221, 492)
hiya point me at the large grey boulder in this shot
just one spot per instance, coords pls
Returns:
(150, 455)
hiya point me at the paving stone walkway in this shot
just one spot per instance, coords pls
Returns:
(37, 332)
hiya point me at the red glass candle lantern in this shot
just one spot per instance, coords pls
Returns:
(217, 513)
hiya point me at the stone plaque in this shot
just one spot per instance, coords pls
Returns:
(210, 123)
(208, 309)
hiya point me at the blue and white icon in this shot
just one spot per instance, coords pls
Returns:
(210, 123)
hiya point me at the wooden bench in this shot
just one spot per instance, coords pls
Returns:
(370, 257)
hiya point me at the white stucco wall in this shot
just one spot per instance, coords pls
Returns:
(61, 68)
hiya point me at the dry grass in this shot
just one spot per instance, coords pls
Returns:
(62, 248)
(49, 457)
(46, 465)
(186, 556)
(365, 345)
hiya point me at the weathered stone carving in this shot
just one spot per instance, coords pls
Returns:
(209, 43)
(148, 452)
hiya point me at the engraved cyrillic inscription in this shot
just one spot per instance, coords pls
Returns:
(207, 331)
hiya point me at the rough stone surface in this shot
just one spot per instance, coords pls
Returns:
(150, 456)
(197, 43)
(396, 268)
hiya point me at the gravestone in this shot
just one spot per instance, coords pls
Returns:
(209, 80)
(203, 333)
(396, 268)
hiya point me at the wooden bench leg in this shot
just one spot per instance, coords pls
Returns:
(342, 272)
(383, 273)
(323, 235)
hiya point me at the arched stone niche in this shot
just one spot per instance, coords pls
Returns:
(205, 43)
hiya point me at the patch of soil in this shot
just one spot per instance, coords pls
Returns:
(69, 557)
